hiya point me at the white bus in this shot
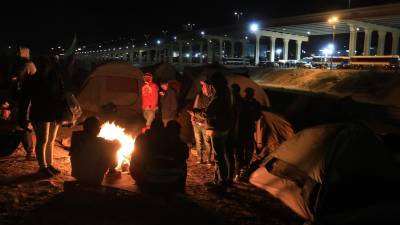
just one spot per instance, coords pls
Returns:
(367, 62)
(325, 61)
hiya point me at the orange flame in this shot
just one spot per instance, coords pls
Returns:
(111, 131)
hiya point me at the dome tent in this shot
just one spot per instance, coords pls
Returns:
(116, 83)
(333, 174)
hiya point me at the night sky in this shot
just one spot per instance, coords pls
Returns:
(42, 28)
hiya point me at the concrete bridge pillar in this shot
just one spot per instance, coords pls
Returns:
(272, 51)
(381, 42)
(243, 49)
(180, 53)
(395, 43)
(367, 41)
(166, 53)
(353, 40)
(220, 49)
(232, 49)
(190, 53)
(257, 51)
(209, 51)
(140, 57)
(286, 49)
(171, 54)
(298, 49)
(201, 52)
(148, 54)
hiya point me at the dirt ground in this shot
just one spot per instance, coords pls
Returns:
(27, 199)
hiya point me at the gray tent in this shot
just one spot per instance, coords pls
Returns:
(116, 83)
(333, 174)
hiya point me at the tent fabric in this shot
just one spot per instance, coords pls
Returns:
(310, 149)
(346, 162)
(116, 83)
(162, 71)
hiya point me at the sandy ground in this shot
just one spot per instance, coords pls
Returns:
(26, 199)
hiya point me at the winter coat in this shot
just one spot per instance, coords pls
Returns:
(46, 95)
(149, 96)
(169, 104)
(201, 103)
(219, 113)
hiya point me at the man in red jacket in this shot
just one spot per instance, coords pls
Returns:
(149, 99)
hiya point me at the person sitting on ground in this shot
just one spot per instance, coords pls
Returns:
(158, 165)
(92, 156)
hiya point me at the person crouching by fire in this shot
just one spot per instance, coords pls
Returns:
(149, 99)
(92, 156)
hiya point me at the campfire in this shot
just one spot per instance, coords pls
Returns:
(111, 131)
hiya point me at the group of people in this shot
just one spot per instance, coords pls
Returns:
(156, 102)
(33, 97)
(224, 125)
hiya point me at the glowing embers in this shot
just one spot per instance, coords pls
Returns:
(111, 131)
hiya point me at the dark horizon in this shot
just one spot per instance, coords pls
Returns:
(43, 28)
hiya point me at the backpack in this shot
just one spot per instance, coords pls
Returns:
(72, 110)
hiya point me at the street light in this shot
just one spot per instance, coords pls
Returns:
(333, 21)
(278, 51)
(238, 15)
(254, 27)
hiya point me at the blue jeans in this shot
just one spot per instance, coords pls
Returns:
(221, 162)
(203, 142)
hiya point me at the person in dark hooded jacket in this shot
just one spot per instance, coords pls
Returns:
(219, 118)
(44, 91)
(168, 103)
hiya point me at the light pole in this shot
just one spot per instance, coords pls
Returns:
(333, 21)
(238, 15)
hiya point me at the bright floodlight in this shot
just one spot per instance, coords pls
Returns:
(333, 19)
(254, 27)
(158, 42)
(278, 51)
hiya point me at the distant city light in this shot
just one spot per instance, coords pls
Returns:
(175, 37)
(187, 55)
(59, 47)
(246, 37)
(254, 27)
(202, 33)
(158, 42)
(78, 49)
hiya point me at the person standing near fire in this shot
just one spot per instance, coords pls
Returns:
(168, 103)
(149, 99)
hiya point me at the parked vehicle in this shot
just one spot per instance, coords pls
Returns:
(368, 62)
